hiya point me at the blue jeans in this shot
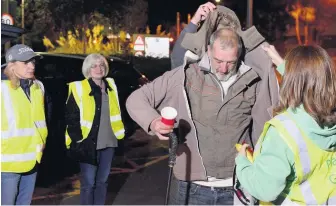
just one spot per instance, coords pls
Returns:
(188, 193)
(93, 178)
(16, 188)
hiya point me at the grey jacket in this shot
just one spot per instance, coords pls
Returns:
(255, 57)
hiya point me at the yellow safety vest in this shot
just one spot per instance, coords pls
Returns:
(315, 169)
(87, 107)
(23, 127)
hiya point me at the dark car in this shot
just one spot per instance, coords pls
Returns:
(56, 71)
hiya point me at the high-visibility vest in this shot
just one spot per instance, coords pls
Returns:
(87, 107)
(315, 169)
(23, 127)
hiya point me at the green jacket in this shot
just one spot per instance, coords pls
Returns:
(273, 170)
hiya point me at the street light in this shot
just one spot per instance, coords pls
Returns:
(22, 18)
(249, 14)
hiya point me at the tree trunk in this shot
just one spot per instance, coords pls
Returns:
(306, 32)
(297, 29)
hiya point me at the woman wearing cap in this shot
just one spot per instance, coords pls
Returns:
(23, 126)
(295, 158)
(94, 125)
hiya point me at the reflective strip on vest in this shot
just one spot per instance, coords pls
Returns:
(120, 132)
(114, 87)
(299, 140)
(79, 93)
(17, 133)
(305, 187)
(115, 118)
(331, 201)
(12, 131)
(86, 123)
(18, 157)
(40, 147)
(40, 85)
(40, 124)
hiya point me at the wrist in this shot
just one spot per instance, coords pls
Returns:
(278, 61)
(195, 21)
(152, 125)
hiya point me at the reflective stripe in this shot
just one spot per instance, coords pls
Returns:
(299, 140)
(120, 132)
(114, 87)
(258, 145)
(115, 118)
(17, 133)
(9, 110)
(288, 202)
(295, 133)
(86, 124)
(39, 147)
(307, 193)
(18, 157)
(330, 201)
(41, 124)
(40, 85)
(79, 93)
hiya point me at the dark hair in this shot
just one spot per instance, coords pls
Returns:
(310, 79)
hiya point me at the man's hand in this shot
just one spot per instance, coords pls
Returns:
(160, 128)
(273, 54)
(202, 12)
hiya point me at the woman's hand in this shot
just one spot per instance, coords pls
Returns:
(273, 54)
(243, 149)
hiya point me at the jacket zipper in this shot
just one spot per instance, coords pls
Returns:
(189, 113)
(220, 85)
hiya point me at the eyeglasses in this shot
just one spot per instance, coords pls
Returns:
(101, 66)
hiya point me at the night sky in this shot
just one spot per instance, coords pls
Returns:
(164, 11)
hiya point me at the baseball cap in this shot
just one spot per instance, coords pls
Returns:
(20, 52)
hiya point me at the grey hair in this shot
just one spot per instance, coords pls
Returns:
(90, 61)
(228, 39)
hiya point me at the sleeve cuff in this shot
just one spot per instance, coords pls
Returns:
(191, 28)
(281, 68)
(242, 162)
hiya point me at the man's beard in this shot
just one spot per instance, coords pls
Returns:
(225, 77)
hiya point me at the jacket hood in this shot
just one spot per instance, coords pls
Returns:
(324, 137)
(221, 17)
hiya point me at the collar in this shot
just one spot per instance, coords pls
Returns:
(205, 65)
(26, 83)
(95, 89)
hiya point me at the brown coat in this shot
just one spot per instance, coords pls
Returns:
(144, 105)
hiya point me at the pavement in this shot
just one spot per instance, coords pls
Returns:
(137, 178)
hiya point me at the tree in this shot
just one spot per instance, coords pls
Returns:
(271, 18)
(67, 14)
(315, 15)
(135, 15)
(37, 21)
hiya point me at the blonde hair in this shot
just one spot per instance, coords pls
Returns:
(90, 61)
(12, 77)
(310, 79)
